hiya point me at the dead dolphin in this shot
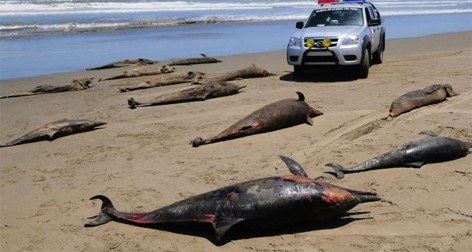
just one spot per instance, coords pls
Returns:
(197, 93)
(142, 71)
(274, 116)
(123, 63)
(56, 129)
(432, 94)
(165, 80)
(269, 202)
(414, 154)
(248, 72)
(194, 61)
(76, 85)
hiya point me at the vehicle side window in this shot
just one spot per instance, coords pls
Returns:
(371, 13)
(376, 12)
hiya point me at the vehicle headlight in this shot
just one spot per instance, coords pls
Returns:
(351, 40)
(294, 41)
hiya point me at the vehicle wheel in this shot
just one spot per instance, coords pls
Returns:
(298, 71)
(363, 68)
(378, 55)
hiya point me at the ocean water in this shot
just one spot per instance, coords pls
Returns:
(48, 36)
(25, 18)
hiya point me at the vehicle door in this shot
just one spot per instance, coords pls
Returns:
(375, 30)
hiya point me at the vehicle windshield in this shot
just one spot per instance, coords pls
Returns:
(336, 17)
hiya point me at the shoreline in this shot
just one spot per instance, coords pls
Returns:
(142, 159)
(281, 51)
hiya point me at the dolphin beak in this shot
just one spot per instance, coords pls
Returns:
(98, 124)
(315, 112)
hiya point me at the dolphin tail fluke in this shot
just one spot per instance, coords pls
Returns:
(338, 169)
(133, 104)
(197, 142)
(103, 217)
(98, 220)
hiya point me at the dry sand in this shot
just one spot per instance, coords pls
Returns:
(142, 159)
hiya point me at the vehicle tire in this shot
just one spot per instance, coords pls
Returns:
(363, 68)
(378, 55)
(298, 71)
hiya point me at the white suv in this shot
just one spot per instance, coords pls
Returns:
(341, 33)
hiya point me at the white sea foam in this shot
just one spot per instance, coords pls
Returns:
(31, 17)
(27, 8)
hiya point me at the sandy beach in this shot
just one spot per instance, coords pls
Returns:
(142, 159)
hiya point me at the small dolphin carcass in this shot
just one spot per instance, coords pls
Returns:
(245, 73)
(280, 114)
(142, 71)
(75, 85)
(56, 129)
(166, 80)
(432, 149)
(123, 63)
(270, 202)
(197, 93)
(193, 61)
(415, 99)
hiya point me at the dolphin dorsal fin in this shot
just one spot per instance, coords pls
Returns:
(294, 167)
(301, 96)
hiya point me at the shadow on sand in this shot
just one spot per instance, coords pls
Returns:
(323, 74)
(246, 230)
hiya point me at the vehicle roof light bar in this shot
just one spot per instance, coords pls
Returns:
(340, 1)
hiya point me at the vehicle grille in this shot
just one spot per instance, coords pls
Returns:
(319, 42)
(319, 56)
(319, 59)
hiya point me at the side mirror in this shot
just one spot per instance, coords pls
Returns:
(374, 22)
(299, 25)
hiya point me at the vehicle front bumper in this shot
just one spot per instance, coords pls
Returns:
(337, 55)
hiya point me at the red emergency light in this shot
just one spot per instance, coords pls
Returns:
(338, 1)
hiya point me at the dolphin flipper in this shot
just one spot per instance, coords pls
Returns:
(98, 220)
(429, 133)
(415, 164)
(222, 226)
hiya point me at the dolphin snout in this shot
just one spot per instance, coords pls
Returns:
(98, 124)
